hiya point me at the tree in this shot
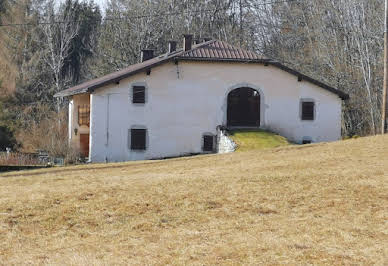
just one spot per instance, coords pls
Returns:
(83, 46)
(7, 139)
(60, 30)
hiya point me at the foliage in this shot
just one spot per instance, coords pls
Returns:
(52, 46)
(7, 139)
(338, 42)
(7, 128)
(83, 45)
(47, 131)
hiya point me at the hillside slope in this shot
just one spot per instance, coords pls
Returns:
(247, 140)
(318, 204)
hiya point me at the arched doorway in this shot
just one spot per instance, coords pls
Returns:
(243, 108)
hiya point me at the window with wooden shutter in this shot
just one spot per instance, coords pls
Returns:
(138, 139)
(138, 95)
(84, 115)
(307, 110)
(208, 143)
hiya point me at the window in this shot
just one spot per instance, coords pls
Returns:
(84, 115)
(208, 143)
(138, 139)
(306, 141)
(307, 110)
(138, 95)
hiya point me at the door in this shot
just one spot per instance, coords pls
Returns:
(117, 125)
(244, 108)
(84, 144)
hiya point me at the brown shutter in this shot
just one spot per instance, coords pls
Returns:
(307, 110)
(208, 143)
(138, 139)
(138, 94)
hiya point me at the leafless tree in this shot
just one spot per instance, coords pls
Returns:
(60, 30)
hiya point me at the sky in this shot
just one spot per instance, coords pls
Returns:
(101, 3)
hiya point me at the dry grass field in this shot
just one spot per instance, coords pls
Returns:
(312, 204)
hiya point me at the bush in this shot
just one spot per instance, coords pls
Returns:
(7, 138)
(47, 131)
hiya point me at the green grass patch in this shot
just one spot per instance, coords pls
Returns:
(257, 139)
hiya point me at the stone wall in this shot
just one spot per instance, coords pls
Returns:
(225, 143)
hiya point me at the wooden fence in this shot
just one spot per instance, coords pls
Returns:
(20, 159)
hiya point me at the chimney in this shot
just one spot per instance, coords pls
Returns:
(147, 54)
(171, 46)
(187, 42)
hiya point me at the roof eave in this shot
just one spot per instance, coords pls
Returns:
(344, 96)
(91, 88)
(66, 93)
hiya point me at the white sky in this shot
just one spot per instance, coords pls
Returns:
(101, 3)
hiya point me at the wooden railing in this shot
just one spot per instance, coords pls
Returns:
(17, 158)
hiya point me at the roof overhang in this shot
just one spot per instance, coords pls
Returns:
(211, 51)
(91, 85)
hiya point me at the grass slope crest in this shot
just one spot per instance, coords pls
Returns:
(256, 139)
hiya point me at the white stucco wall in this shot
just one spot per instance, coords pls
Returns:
(185, 101)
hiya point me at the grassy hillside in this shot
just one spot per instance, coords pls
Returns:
(257, 139)
(317, 204)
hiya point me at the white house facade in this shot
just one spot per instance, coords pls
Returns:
(176, 104)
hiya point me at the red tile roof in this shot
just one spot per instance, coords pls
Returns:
(213, 50)
(221, 50)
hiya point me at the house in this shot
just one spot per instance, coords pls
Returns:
(175, 104)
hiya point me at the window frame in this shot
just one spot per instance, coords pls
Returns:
(85, 115)
(137, 148)
(301, 109)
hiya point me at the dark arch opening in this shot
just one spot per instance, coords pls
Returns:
(243, 108)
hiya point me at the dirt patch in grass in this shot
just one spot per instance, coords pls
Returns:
(325, 204)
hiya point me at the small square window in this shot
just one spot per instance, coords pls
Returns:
(208, 143)
(138, 139)
(307, 110)
(138, 95)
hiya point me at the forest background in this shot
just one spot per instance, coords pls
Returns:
(47, 46)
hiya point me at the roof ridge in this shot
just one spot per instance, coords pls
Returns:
(242, 49)
(221, 49)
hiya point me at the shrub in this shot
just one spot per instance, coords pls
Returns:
(7, 138)
(47, 131)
